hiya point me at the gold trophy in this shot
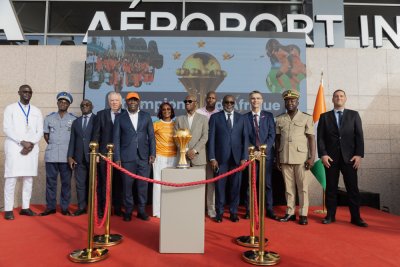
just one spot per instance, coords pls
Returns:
(182, 138)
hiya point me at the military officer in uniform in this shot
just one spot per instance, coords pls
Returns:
(295, 153)
(57, 132)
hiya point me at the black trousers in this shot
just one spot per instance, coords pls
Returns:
(350, 181)
(117, 191)
(142, 168)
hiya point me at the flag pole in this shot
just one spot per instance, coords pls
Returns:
(323, 211)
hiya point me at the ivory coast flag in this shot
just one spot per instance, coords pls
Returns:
(319, 108)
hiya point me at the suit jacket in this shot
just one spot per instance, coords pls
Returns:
(78, 147)
(131, 144)
(103, 129)
(222, 142)
(348, 140)
(266, 131)
(199, 132)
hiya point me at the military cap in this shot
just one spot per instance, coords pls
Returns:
(291, 93)
(65, 95)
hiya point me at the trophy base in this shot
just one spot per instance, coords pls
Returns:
(266, 258)
(86, 256)
(249, 241)
(107, 241)
(183, 166)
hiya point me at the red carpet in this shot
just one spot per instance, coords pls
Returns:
(47, 241)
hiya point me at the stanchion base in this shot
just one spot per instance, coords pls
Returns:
(246, 241)
(320, 211)
(86, 256)
(101, 240)
(268, 258)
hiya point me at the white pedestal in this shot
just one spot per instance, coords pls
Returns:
(182, 211)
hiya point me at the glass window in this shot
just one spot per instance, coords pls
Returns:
(249, 11)
(352, 18)
(75, 17)
(31, 16)
(65, 40)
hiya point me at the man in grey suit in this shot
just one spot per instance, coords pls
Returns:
(198, 127)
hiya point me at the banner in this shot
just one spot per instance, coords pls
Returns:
(166, 66)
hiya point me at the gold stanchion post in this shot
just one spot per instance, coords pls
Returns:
(250, 240)
(108, 239)
(90, 254)
(260, 256)
(323, 211)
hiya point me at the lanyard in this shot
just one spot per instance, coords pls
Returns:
(26, 114)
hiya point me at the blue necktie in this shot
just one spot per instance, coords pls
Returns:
(340, 114)
(229, 121)
(84, 123)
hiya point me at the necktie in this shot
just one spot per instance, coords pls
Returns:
(115, 116)
(84, 123)
(340, 113)
(257, 128)
(229, 121)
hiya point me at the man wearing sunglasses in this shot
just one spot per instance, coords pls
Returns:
(227, 149)
(198, 127)
(78, 152)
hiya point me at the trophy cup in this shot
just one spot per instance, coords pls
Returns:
(182, 138)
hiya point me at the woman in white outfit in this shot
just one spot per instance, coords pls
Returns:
(165, 150)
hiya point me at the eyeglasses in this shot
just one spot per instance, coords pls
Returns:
(85, 105)
(229, 102)
(189, 101)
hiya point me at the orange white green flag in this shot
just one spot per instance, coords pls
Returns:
(320, 107)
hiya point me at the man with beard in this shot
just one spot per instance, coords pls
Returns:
(23, 128)
(78, 153)
(295, 153)
(208, 110)
(103, 134)
(227, 150)
(135, 150)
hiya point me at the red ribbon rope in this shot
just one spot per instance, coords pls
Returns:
(240, 168)
(254, 188)
(107, 205)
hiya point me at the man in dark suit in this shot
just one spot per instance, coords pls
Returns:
(341, 147)
(261, 127)
(227, 149)
(78, 152)
(103, 134)
(135, 150)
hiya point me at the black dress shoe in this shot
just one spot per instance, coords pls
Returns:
(143, 216)
(218, 218)
(303, 220)
(234, 218)
(118, 212)
(66, 212)
(100, 214)
(328, 220)
(287, 218)
(27, 212)
(9, 215)
(127, 217)
(79, 212)
(47, 212)
(359, 222)
(271, 214)
(247, 215)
